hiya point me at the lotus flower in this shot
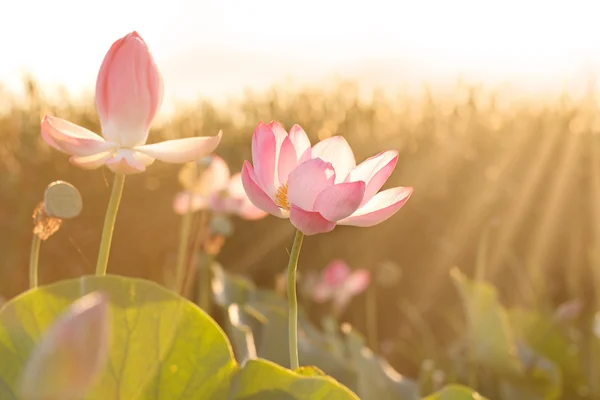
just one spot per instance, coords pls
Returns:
(70, 354)
(214, 188)
(129, 92)
(319, 187)
(339, 284)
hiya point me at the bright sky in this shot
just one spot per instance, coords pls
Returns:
(218, 47)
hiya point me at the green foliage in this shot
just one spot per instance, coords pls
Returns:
(346, 357)
(163, 347)
(455, 392)
(492, 344)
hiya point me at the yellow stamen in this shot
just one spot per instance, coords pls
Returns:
(281, 197)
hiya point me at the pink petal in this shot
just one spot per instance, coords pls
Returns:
(250, 212)
(287, 160)
(128, 162)
(211, 179)
(92, 162)
(307, 181)
(181, 150)
(129, 91)
(279, 132)
(336, 151)
(264, 152)
(301, 143)
(220, 173)
(335, 273)
(340, 201)
(236, 187)
(181, 203)
(72, 139)
(321, 292)
(381, 207)
(309, 223)
(357, 282)
(256, 194)
(374, 171)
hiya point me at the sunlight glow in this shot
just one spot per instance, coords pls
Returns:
(215, 48)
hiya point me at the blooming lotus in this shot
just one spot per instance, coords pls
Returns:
(214, 188)
(129, 92)
(339, 284)
(318, 187)
(70, 354)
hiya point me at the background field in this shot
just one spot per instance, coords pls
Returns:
(520, 180)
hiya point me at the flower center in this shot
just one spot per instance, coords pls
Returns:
(281, 198)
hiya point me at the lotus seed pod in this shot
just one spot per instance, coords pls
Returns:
(62, 200)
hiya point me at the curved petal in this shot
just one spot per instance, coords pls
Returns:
(129, 91)
(186, 201)
(336, 151)
(335, 273)
(206, 179)
(309, 223)
(301, 143)
(321, 292)
(72, 139)
(307, 180)
(236, 186)
(250, 212)
(91, 162)
(256, 194)
(374, 171)
(287, 160)
(128, 162)
(357, 282)
(340, 201)
(264, 154)
(181, 150)
(381, 207)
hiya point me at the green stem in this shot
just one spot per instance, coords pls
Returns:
(34, 256)
(204, 280)
(184, 235)
(292, 301)
(109, 224)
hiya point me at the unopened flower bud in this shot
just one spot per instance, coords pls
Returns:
(70, 354)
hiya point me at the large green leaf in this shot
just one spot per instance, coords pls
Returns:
(163, 346)
(455, 392)
(523, 374)
(376, 378)
(491, 340)
(264, 380)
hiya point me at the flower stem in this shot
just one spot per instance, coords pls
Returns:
(204, 280)
(109, 224)
(184, 235)
(34, 256)
(292, 300)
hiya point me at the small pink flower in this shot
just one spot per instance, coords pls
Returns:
(340, 284)
(216, 190)
(71, 353)
(319, 187)
(129, 92)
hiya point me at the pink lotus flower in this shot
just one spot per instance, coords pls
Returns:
(215, 189)
(319, 187)
(339, 284)
(129, 92)
(71, 353)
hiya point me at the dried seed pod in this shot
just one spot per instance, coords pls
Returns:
(44, 225)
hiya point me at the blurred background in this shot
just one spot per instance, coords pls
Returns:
(492, 105)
